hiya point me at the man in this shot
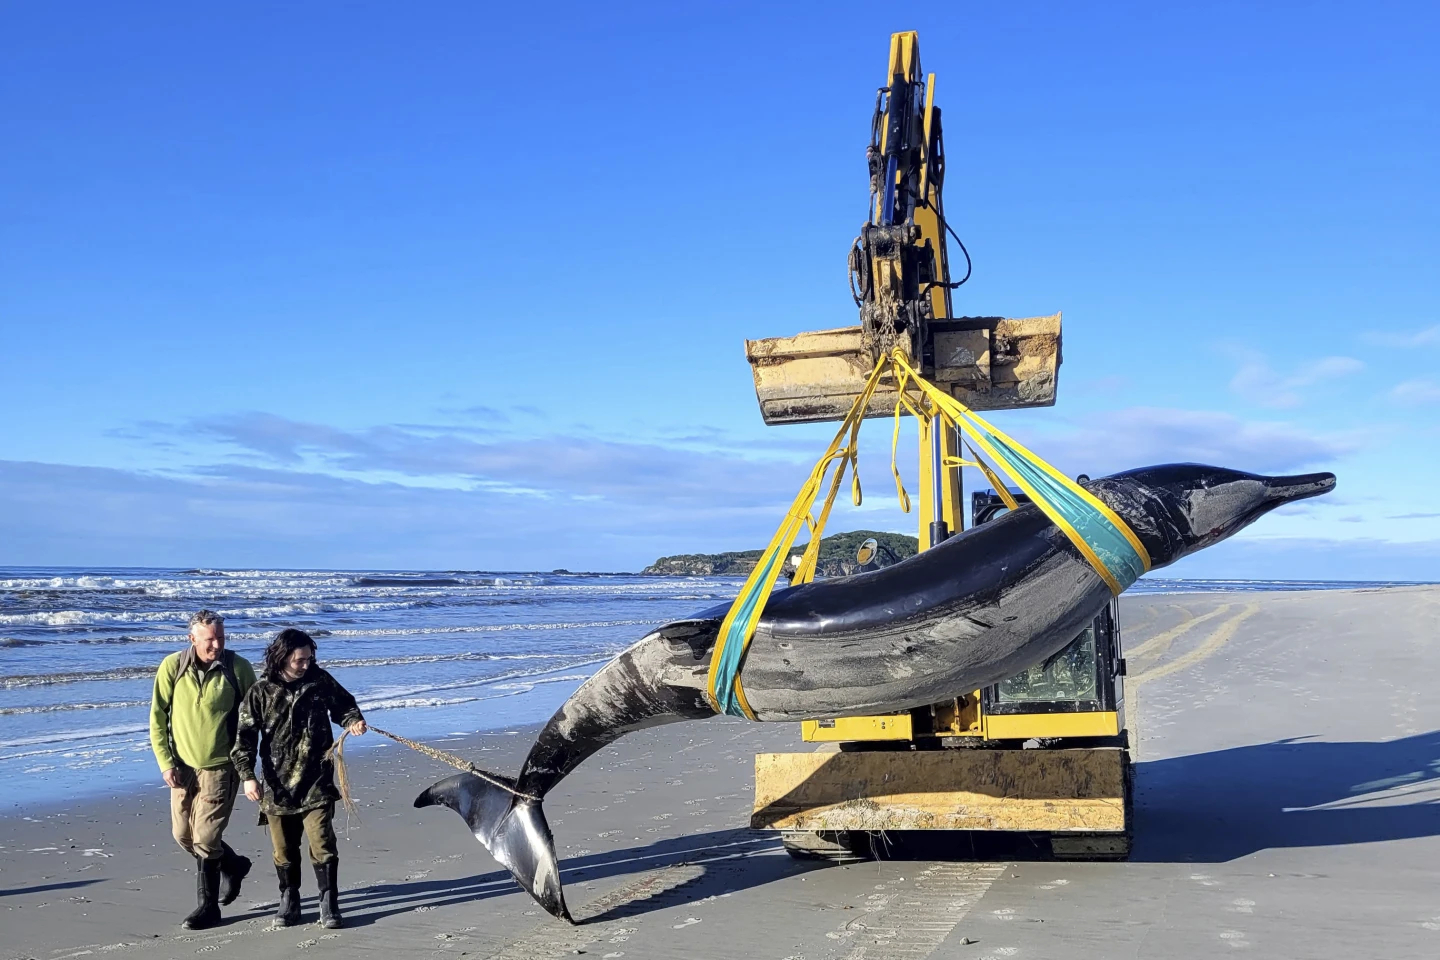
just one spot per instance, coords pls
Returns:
(194, 713)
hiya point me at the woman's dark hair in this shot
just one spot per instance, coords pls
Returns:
(286, 642)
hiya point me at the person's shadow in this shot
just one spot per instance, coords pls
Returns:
(1213, 807)
(49, 887)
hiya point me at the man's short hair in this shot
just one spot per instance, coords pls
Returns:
(207, 618)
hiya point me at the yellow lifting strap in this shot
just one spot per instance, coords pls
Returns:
(1103, 539)
(725, 690)
(1106, 542)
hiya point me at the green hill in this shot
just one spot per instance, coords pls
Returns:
(837, 557)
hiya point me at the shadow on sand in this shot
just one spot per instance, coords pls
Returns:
(711, 852)
(1219, 806)
(1207, 807)
(48, 887)
(1213, 807)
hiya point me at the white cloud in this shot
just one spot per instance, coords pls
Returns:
(1142, 436)
(1260, 383)
(707, 468)
(263, 518)
(1430, 336)
(246, 516)
(1312, 558)
(563, 466)
(305, 494)
(1416, 391)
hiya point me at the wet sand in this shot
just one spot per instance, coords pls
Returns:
(1288, 805)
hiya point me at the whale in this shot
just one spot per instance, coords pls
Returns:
(977, 608)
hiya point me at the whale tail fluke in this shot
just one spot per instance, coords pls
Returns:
(512, 828)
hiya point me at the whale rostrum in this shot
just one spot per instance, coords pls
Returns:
(977, 608)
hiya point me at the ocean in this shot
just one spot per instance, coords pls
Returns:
(427, 654)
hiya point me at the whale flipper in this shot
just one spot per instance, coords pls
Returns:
(512, 828)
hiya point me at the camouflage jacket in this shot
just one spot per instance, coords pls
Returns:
(288, 725)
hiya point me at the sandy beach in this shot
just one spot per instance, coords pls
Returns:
(1288, 749)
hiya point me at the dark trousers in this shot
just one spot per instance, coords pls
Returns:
(317, 825)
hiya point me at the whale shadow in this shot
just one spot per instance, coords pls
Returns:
(760, 851)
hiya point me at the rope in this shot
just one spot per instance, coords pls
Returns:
(337, 754)
(342, 780)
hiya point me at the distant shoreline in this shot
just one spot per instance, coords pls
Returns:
(24, 571)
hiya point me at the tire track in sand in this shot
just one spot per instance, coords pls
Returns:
(912, 922)
(603, 918)
(1207, 648)
(1158, 644)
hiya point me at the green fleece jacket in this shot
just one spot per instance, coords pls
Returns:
(194, 709)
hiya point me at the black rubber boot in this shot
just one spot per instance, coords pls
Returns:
(287, 912)
(233, 869)
(207, 892)
(326, 875)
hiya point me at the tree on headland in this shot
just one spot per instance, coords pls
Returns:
(837, 557)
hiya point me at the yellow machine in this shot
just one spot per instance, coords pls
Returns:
(962, 764)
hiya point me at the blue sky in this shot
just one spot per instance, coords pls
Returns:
(440, 285)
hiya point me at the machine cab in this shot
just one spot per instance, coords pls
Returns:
(1083, 678)
(1075, 694)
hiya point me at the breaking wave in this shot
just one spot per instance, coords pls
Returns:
(71, 736)
(492, 628)
(65, 618)
(511, 690)
(147, 671)
(80, 646)
(468, 682)
(65, 707)
(407, 582)
(173, 639)
(15, 681)
(17, 642)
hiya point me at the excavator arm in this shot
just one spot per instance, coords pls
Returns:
(899, 274)
(900, 279)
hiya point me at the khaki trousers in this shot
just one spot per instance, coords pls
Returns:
(200, 808)
(318, 827)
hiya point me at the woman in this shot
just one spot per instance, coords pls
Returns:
(291, 706)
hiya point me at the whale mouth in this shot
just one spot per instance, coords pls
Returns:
(1280, 490)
